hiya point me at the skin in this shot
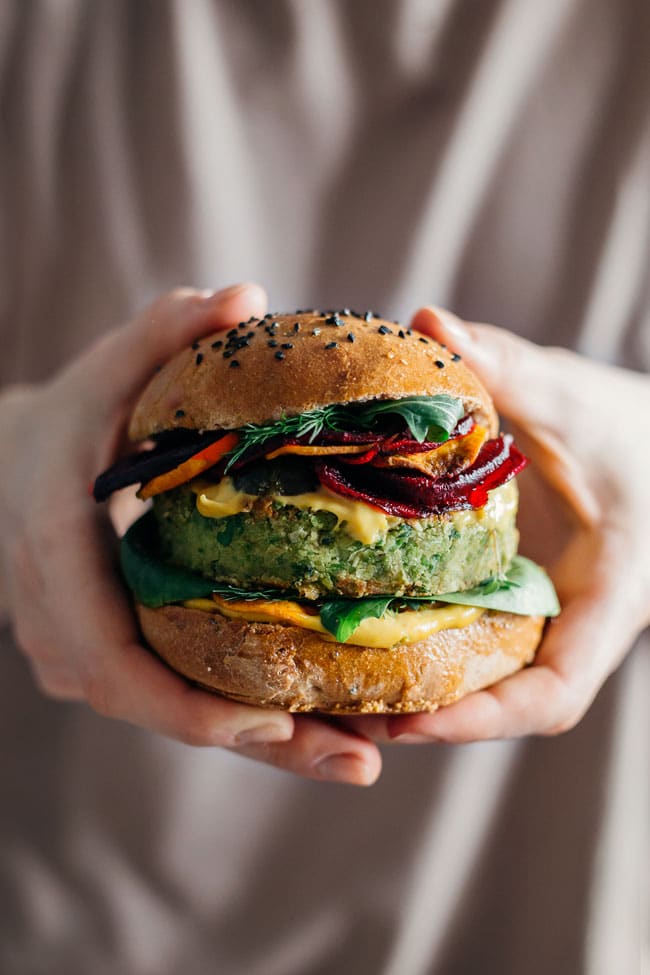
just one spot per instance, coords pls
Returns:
(71, 615)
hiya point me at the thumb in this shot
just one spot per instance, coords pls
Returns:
(533, 386)
(524, 379)
(114, 369)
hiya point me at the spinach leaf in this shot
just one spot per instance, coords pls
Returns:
(343, 616)
(152, 581)
(428, 417)
(525, 589)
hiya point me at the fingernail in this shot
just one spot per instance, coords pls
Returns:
(232, 290)
(453, 325)
(262, 734)
(207, 293)
(343, 768)
(413, 739)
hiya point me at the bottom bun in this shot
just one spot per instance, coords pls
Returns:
(272, 665)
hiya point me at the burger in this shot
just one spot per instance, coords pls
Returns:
(332, 519)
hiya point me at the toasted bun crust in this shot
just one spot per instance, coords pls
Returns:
(201, 389)
(288, 667)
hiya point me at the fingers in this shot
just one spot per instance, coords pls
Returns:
(322, 751)
(519, 375)
(535, 387)
(119, 365)
(581, 648)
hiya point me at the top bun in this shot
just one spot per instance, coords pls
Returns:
(283, 365)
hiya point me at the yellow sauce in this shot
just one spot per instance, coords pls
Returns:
(361, 521)
(409, 626)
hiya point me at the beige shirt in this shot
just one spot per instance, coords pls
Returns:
(490, 156)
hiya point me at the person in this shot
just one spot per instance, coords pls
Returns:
(124, 850)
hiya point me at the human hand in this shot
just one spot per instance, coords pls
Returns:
(585, 427)
(70, 613)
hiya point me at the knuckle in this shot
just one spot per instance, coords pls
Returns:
(199, 734)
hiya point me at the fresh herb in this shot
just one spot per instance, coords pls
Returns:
(427, 417)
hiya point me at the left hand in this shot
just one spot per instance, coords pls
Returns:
(585, 427)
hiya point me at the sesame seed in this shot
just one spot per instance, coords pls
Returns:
(455, 357)
(228, 353)
(179, 414)
(401, 333)
(217, 344)
(334, 320)
(385, 330)
(249, 335)
(279, 355)
(286, 345)
(296, 326)
(315, 331)
(234, 364)
(409, 332)
(426, 341)
(272, 344)
(368, 316)
(268, 315)
(196, 345)
(440, 364)
(345, 311)
(199, 358)
(331, 345)
(350, 336)
(233, 331)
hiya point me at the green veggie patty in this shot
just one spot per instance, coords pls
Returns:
(309, 553)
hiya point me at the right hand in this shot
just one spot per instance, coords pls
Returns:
(69, 609)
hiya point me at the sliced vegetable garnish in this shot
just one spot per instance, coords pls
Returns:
(191, 468)
(417, 495)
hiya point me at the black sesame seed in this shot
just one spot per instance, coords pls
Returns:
(252, 319)
(234, 364)
(426, 341)
(409, 332)
(179, 414)
(196, 345)
(401, 333)
(199, 358)
(250, 335)
(296, 327)
(350, 336)
(455, 357)
(279, 355)
(286, 345)
(331, 345)
(242, 325)
(272, 344)
(228, 353)
(233, 331)
(440, 364)
(217, 344)
(268, 315)
(315, 331)
(368, 316)
(385, 330)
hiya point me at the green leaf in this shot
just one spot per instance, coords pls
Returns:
(525, 589)
(341, 617)
(428, 417)
(153, 582)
